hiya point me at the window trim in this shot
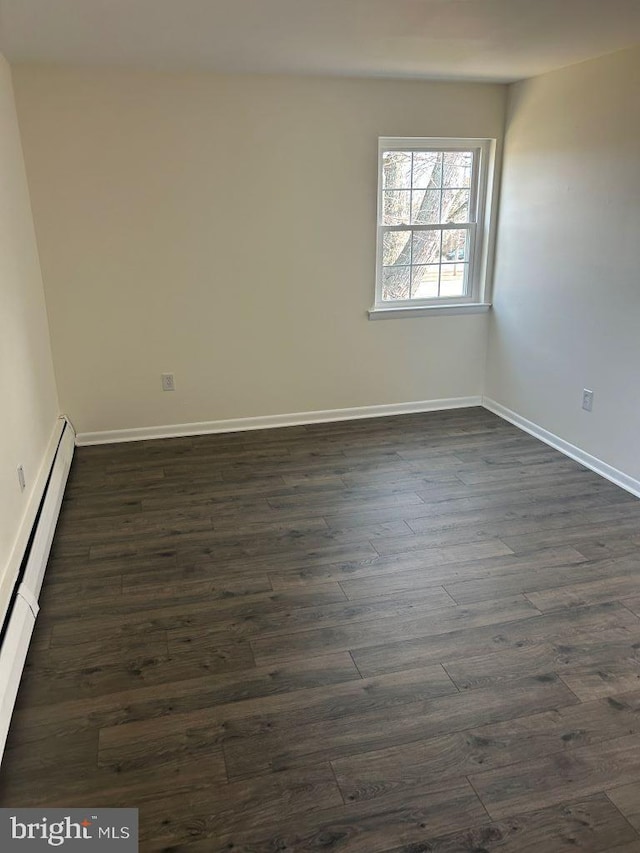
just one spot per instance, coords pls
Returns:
(479, 230)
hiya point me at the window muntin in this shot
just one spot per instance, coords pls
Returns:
(430, 209)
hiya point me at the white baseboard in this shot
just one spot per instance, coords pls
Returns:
(22, 617)
(8, 579)
(48, 518)
(273, 421)
(592, 462)
(15, 646)
(329, 415)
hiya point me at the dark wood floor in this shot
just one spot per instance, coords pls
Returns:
(411, 634)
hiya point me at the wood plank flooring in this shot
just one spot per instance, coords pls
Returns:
(400, 635)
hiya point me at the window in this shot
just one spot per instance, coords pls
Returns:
(432, 197)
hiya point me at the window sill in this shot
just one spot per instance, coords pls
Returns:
(428, 310)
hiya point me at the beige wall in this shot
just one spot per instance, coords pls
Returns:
(567, 291)
(29, 405)
(224, 228)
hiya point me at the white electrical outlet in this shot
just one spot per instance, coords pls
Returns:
(168, 382)
(21, 479)
(587, 400)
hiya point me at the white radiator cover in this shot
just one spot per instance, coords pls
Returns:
(23, 614)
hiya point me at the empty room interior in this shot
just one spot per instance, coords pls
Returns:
(320, 481)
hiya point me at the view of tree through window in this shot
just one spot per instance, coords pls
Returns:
(425, 195)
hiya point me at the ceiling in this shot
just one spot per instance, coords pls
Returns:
(502, 40)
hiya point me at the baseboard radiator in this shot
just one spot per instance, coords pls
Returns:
(23, 610)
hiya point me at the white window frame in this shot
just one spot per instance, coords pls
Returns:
(478, 227)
